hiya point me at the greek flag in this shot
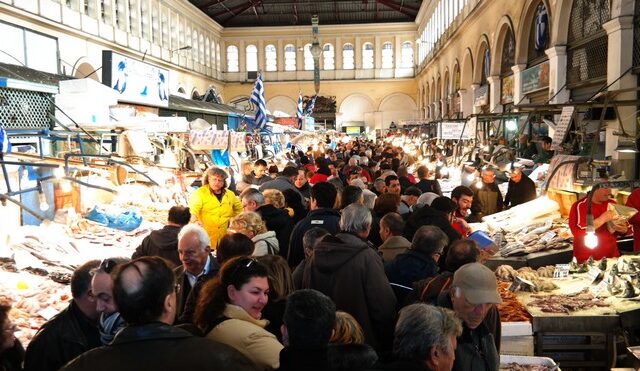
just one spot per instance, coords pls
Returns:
(541, 27)
(257, 98)
(5, 145)
(299, 112)
(311, 105)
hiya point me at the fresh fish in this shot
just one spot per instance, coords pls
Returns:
(629, 291)
(603, 264)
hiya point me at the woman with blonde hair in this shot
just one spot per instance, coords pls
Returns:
(251, 225)
(280, 286)
(213, 205)
(347, 330)
(274, 197)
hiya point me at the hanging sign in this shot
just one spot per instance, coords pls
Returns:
(481, 95)
(454, 130)
(506, 95)
(562, 127)
(535, 78)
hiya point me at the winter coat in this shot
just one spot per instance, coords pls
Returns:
(487, 200)
(410, 267)
(351, 273)
(280, 183)
(427, 215)
(163, 243)
(187, 296)
(279, 221)
(265, 243)
(213, 214)
(401, 366)
(247, 334)
(521, 192)
(334, 357)
(63, 338)
(393, 246)
(478, 349)
(11, 359)
(158, 346)
(429, 185)
(328, 219)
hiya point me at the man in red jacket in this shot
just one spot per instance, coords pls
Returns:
(607, 246)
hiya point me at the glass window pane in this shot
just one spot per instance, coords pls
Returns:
(289, 58)
(42, 52)
(367, 56)
(271, 58)
(232, 58)
(12, 45)
(252, 58)
(329, 61)
(387, 55)
(347, 57)
(308, 58)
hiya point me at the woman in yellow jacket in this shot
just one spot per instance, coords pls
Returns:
(229, 311)
(213, 204)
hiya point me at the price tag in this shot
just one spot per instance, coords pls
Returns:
(548, 236)
(595, 275)
(561, 271)
(48, 313)
(599, 288)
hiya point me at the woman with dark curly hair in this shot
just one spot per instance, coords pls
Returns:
(11, 351)
(230, 308)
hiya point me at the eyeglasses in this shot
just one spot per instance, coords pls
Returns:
(107, 265)
(242, 263)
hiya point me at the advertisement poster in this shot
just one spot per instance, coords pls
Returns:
(481, 95)
(135, 81)
(535, 78)
(506, 95)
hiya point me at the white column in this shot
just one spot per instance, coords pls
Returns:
(494, 94)
(517, 82)
(558, 73)
(466, 101)
(620, 60)
(472, 95)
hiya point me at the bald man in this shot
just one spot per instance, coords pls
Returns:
(144, 290)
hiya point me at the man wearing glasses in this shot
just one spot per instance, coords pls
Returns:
(71, 332)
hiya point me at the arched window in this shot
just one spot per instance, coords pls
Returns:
(347, 57)
(308, 58)
(232, 58)
(387, 55)
(486, 65)
(289, 58)
(538, 36)
(271, 58)
(252, 58)
(367, 56)
(508, 54)
(218, 66)
(406, 60)
(328, 54)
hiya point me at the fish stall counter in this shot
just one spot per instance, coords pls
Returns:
(577, 310)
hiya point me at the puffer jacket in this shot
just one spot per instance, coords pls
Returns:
(247, 335)
(351, 273)
(266, 243)
(213, 214)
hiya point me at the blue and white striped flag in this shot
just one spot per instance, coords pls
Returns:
(257, 98)
(311, 105)
(5, 145)
(299, 112)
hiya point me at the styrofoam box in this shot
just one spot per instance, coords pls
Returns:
(516, 329)
(522, 360)
(517, 345)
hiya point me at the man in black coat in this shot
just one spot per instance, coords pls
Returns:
(71, 332)
(198, 266)
(322, 214)
(521, 189)
(164, 242)
(428, 215)
(144, 291)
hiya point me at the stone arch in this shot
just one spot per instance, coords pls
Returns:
(439, 88)
(483, 44)
(504, 26)
(446, 87)
(434, 88)
(86, 70)
(354, 107)
(560, 30)
(397, 107)
(526, 18)
(283, 104)
(456, 72)
(194, 93)
(466, 70)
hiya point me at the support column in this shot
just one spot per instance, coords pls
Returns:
(474, 108)
(558, 73)
(620, 60)
(517, 82)
(466, 101)
(494, 93)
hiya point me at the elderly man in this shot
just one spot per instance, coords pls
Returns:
(421, 261)
(198, 266)
(277, 220)
(102, 288)
(164, 242)
(473, 293)
(347, 270)
(144, 291)
(521, 189)
(487, 198)
(425, 339)
(391, 229)
(310, 240)
(71, 332)
(409, 199)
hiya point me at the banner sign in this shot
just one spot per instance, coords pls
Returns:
(454, 130)
(535, 78)
(481, 95)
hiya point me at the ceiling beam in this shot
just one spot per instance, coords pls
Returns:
(399, 7)
(237, 9)
(209, 4)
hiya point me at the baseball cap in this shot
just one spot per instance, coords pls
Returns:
(478, 284)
